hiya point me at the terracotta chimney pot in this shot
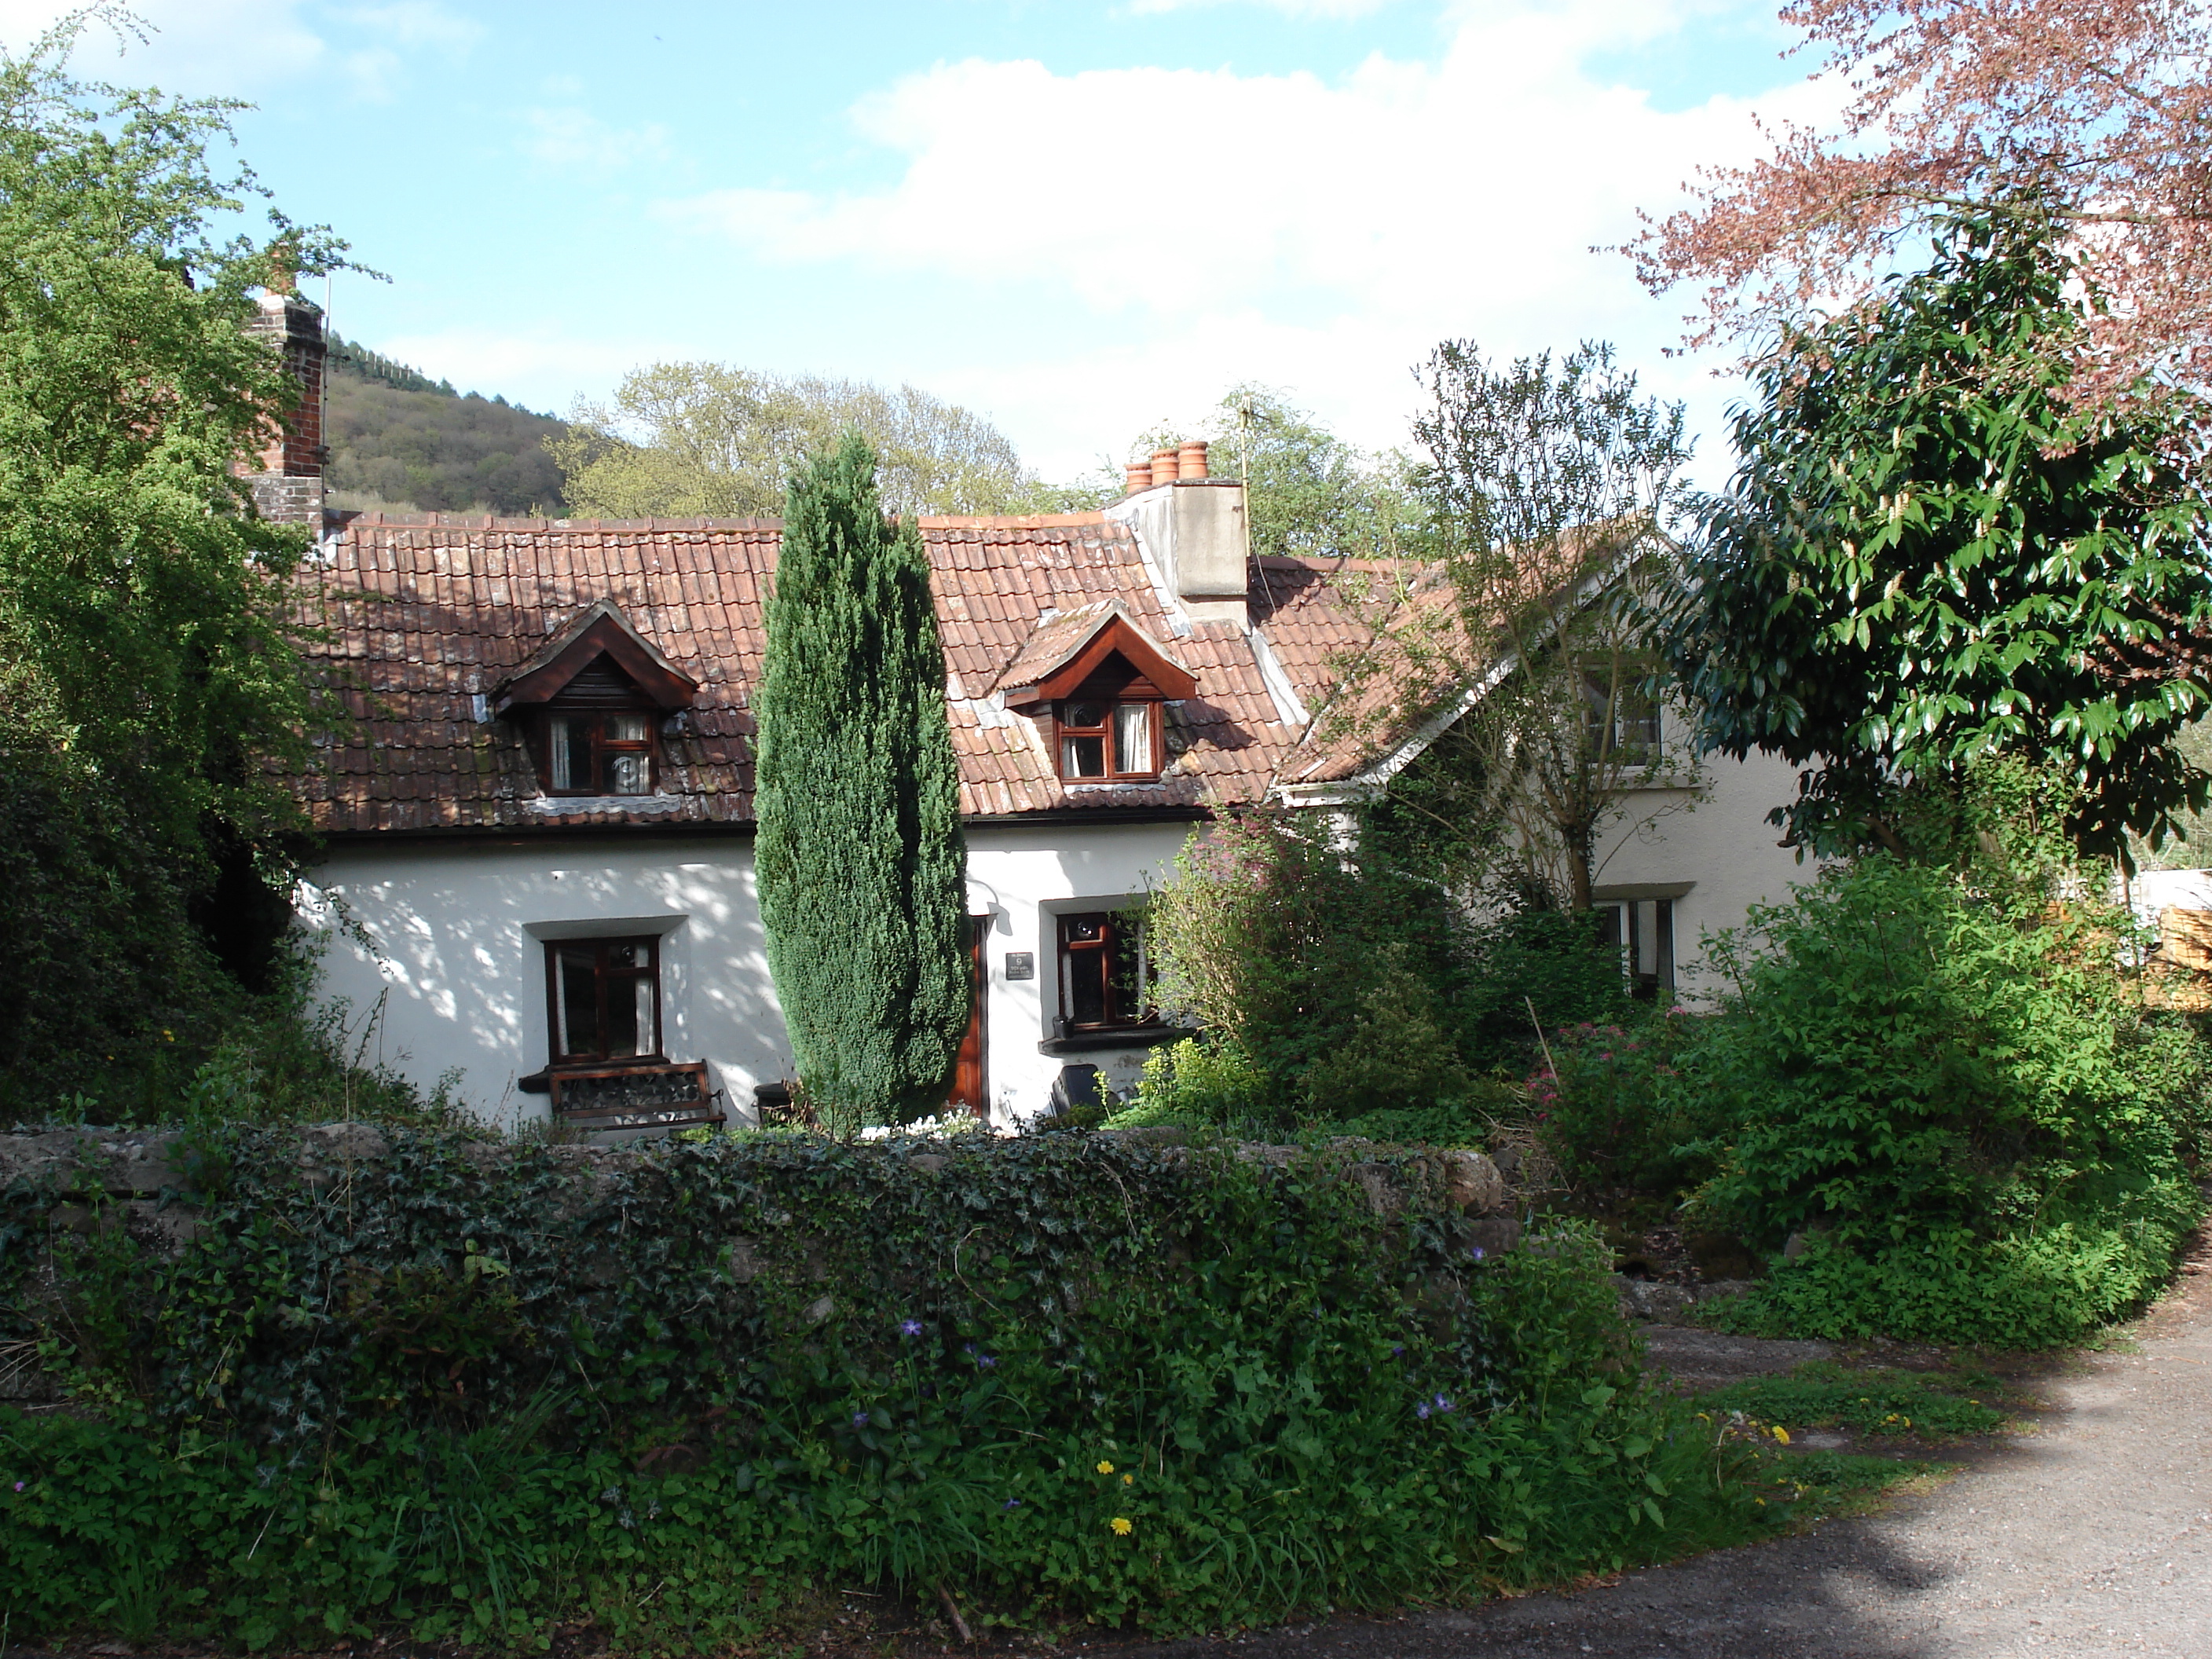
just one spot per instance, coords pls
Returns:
(1136, 476)
(283, 268)
(1163, 466)
(1191, 463)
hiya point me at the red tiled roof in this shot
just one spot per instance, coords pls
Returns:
(420, 617)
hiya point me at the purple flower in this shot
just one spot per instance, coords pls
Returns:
(859, 1419)
(1477, 1251)
(910, 1327)
(1011, 1504)
(985, 1361)
(1397, 1350)
(1421, 1410)
(1442, 1404)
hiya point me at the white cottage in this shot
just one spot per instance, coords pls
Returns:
(537, 871)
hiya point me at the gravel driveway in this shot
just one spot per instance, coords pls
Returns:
(2090, 1534)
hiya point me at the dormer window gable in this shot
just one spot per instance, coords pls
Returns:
(591, 704)
(1098, 684)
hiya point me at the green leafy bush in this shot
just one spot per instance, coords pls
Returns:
(1201, 1083)
(1271, 939)
(1609, 1107)
(464, 1393)
(1949, 1088)
(1346, 988)
(1533, 969)
(1904, 1057)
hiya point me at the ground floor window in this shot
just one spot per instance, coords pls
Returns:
(605, 997)
(1105, 975)
(1643, 932)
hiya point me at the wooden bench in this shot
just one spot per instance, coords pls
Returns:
(660, 1096)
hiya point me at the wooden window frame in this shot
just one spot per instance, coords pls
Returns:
(1115, 924)
(601, 747)
(1155, 720)
(601, 976)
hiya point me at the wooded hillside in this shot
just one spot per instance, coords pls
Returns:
(402, 441)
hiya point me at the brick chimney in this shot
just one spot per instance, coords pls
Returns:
(1192, 528)
(288, 488)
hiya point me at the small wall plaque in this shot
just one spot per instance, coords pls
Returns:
(1021, 964)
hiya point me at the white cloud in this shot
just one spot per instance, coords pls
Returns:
(575, 141)
(1317, 234)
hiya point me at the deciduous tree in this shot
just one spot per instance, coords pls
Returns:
(707, 440)
(861, 856)
(146, 676)
(2091, 117)
(1551, 487)
(1931, 554)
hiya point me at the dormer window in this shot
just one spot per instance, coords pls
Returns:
(591, 705)
(1099, 733)
(1099, 685)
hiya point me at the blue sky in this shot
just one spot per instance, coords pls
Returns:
(1079, 219)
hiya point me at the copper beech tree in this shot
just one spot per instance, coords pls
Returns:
(2094, 115)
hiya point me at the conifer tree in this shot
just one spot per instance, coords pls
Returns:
(861, 856)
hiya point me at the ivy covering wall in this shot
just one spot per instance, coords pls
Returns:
(368, 1379)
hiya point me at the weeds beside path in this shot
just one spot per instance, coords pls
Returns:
(2087, 1534)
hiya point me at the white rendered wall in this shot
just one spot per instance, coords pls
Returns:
(1722, 845)
(451, 937)
(1025, 878)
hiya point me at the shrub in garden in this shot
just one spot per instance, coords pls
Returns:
(1348, 988)
(1608, 1106)
(1269, 939)
(1537, 966)
(1952, 1089)
(465, 1391)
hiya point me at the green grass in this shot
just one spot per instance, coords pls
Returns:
(1825, 1395)
(1795, 1489)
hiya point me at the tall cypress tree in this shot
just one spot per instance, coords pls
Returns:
(860, 855)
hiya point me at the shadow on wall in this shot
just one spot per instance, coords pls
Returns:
(460, 940)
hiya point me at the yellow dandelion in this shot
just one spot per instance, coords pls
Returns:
(1782, 1434)
(1104, 1467)
(1129, 1479)
(1122, 1526)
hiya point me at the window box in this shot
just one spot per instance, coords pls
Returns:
(650, 1097)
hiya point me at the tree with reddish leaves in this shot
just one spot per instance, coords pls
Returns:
(2094, 115)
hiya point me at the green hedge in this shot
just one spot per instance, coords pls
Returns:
(466, 1390)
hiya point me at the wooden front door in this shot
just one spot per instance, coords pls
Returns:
(967, 1083)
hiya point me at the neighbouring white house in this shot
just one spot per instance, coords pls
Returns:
(537, 863)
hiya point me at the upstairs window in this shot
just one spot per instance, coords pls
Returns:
(598, 754)
(1623, 715)
(1105, 974)
(1105, 739)
(605, 999)
(596, 736)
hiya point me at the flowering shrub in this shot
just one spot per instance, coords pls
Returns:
(1611, 1108)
